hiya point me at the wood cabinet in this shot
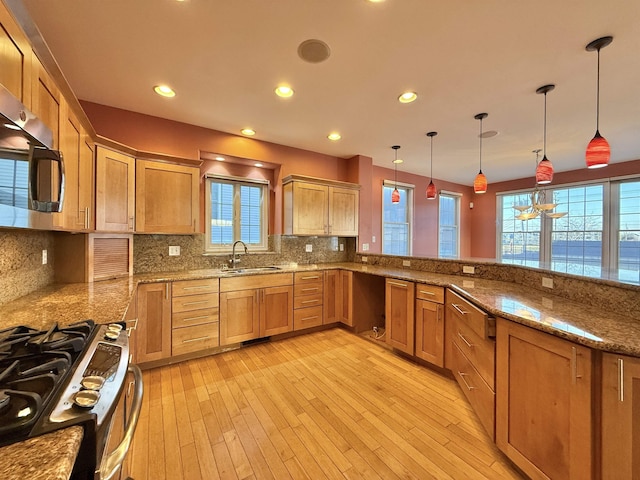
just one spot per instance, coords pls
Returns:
(167, 198)
(153, 330)
(332, 297)
(345, 300)
(46, 100)
(620, 443)
(16, 58)
(320, 207)
(115, 191)
(255, 306)
(308, 299)
(194, 315)
(429, 320)
(544, 403)
(399, 310)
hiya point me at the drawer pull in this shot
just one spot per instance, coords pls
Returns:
(199, 339)
(424, 292)
(195, 303)
(196, 287)
(309, 318)
(457, 307)
(314, 277)
(314, 289)
(621, 379)
(466, 342)
(574, 366)
(310, 301)
(193, 319)
(464, 380)
(398, 284)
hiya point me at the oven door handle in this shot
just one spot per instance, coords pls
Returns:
(113, 461)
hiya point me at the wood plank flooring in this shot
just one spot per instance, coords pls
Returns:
(327, 405)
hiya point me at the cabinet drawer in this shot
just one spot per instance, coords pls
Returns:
(465, 311)
(481, 397)
(305, 301)
(308, 277)
(194, 317)
(250, 282)
(193, 287)
(307, 317)
(479, 351)
(314, 288)
(194, 302)
(195, 338)
(430, 292)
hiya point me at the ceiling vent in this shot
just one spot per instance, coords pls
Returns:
(314, 51)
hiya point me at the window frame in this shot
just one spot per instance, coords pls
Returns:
(410, 188)
(458, 199)
(237, 182)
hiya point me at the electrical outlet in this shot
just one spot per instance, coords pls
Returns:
(373, 239)
(547, 282)
(406, 263)
(308, 248)
(365, 247)
(174, 250)
(469, 269)
(364, 259)
(342, 247)
(44, 257)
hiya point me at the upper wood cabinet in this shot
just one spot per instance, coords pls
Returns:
(544, 403)
(167, 198)
(399, 312)
(15, 59)
(115, 191)
(46, 100)
(320, 207)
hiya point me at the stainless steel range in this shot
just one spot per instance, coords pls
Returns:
(73, 375)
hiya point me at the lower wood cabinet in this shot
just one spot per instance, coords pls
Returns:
(429, 333)
(153, 331)
(308, 299)
(345, 302)
(544, 403)
(332, 297)
(194, 316)
(399, 300)
(620, 417)
(255, 306)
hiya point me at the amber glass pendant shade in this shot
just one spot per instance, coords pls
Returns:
(480, 183)
(544, 172)
(432, 192)
(395, 196)
(598, 152)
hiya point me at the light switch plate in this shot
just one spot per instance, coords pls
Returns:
(342, 247)
(364, 259)
(547, 282)
(468, 269)
(308, 248)
(174, 250)
(44, 257)
(365, 247)
(406, 263)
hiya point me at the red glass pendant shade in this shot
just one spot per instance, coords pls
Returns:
(395, 196)
(431, 191)
(544, 171)
(598, 152)
(480, 183)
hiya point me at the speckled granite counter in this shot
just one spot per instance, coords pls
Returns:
(48, 457)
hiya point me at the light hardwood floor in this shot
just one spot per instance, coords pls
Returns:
(324, 405)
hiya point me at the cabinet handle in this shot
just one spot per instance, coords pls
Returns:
(196, 287)
(311, 301)
(574, 366)
(309, 289)
(398, 284)
(193, 319)
(314, 277)
(88, 218)
(464, 380)
(199, 339)
(309, 318)
(130, 223)
(166, 291)
(466, 342)
(426, 293)
(621, 379)
(460, 311)
(195, 303)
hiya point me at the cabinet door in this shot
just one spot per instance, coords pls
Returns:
(70, 141)
(239, 316)
(543, 409)
(153, 335)
(620, 417)
(276, 310)
(399, 298)
(115, 191)
(343, 211)
(45, 101)
(346, 297)
(430, 332)
(332, 296)
(167, 198)
(86, 183)
(310, 209)
(16, 57)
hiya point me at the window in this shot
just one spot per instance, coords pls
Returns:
(237, 210)
(448, 231)
(598, 237)
(396, 219)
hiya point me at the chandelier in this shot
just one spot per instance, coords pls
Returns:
(539, 205)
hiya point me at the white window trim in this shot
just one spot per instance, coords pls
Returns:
(459, 197)
(410, 205)
(227, 248)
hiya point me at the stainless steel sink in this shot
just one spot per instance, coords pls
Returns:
(239, 271)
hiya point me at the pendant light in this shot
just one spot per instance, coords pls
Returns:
(395, 195)
(432, 192)
(480, 182)
(544, 170)
(598, 150)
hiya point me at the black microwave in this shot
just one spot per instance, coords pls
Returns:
(31, 173)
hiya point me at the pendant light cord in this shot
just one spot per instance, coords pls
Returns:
(544, 142)
(431, 159)
(598, 95)
(480, 144)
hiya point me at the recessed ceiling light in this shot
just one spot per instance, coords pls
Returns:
(375, 1)
(257, 164)
(284, 91)
(248, 132)
(219, 158)
(164, 90)
(335, 136)
(407, 97)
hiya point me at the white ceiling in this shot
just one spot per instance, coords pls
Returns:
(225, 57)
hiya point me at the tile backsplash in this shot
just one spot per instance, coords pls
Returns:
(151, 252)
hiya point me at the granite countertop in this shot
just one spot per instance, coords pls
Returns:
(47, 457)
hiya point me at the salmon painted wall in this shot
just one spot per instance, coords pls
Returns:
(484, 218)
(425, 212)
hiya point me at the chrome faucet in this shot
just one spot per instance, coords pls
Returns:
(234, 261)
